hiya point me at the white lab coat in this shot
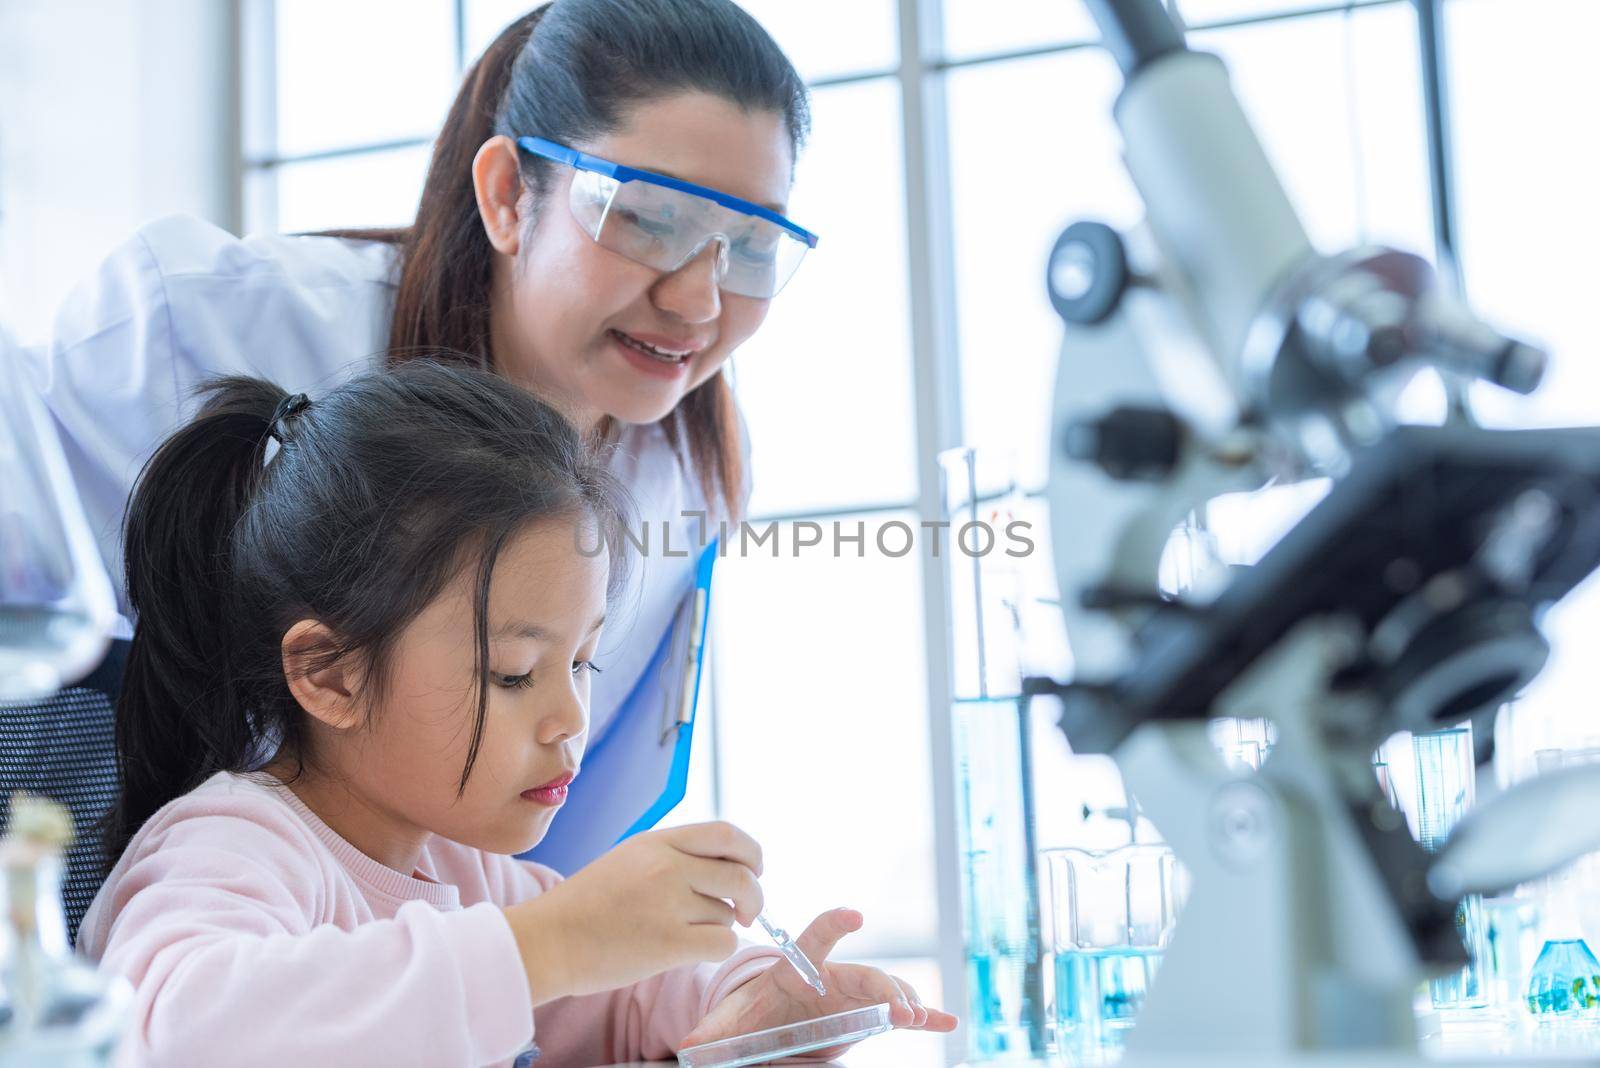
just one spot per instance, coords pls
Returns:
(183, 301)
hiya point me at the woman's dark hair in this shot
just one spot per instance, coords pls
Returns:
(569, 71)
(381, 494)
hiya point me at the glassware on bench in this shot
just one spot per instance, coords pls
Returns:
(55, 1009)
(1111, 915)
(994, 767)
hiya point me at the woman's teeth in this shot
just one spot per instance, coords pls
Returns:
(650, 350)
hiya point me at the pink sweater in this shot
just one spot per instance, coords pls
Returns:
(254, 934)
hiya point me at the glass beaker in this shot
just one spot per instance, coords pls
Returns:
(1445, 789)
(994, 767)
(56, 602)
(1583, 875)
(1564, 982)
(1511, 924)
(55, 1008)
(1111, 916)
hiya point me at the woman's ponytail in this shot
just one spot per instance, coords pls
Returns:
(442, 300)
(181, 715)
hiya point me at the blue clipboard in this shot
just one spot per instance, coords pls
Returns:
(645, 752)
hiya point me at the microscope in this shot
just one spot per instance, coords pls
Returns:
(1213, 350)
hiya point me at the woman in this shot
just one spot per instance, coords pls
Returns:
(615, 295)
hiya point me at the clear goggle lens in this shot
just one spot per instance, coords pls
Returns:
(666, 228)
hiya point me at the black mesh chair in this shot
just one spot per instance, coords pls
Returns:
(65, 749)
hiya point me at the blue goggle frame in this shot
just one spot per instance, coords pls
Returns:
(584, 162)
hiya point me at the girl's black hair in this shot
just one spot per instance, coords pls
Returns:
(569, 71)
(381, 493)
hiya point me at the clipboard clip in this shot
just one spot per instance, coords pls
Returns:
(678, 707)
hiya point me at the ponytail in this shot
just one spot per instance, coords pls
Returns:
(442, 302)
(180, 716)
(441, 306)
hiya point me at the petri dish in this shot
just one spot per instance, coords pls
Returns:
(759, 1047)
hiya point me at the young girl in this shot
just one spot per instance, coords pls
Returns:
(359, 681)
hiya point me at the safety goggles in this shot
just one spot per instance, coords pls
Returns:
(664, 223)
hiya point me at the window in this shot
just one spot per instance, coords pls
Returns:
(337, 136)
(1526, 175)
(1526, 168)
(363, 189)
(823, 740)
(394, 87)
(1205, 12)
(975, 28)
(826, 384)
(1007, 217)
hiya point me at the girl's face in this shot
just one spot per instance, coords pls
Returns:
(395, 773)
(562, 300)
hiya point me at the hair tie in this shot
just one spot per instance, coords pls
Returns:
(287, 409)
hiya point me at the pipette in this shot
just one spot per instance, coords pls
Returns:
(786, 946)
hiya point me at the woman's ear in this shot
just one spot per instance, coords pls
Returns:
(326, 691)
(497, 182)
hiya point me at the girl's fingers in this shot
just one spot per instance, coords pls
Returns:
(734, 882)
(711, 941)
(716, 841)
(872, 985)
(824, 932)
(709, 910)
(868, 984)
(912, 997)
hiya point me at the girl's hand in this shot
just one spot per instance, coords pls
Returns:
(779, 996)
(658, 900)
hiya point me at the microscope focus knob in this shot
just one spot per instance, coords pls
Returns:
(1088, 272)
(1129, 444)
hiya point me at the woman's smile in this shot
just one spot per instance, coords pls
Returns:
(657, 358)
